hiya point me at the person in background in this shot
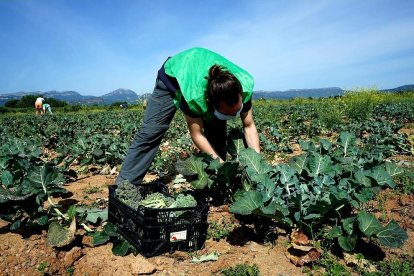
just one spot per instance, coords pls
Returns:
(47, 108)
(209, 90)
(39, 105)
(144, 104)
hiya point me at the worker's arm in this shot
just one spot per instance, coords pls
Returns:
(250, 131)
(195, 126)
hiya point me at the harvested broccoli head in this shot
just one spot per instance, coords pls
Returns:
(182, 201)
(185, 201)
(157, 200)
(129, 194)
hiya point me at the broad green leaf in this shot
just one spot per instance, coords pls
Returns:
(58, 235)
(110, 229)
(368, 223)
(298, 163)
(347, 242)
(235, 142)
(319, 164)
(362, 179)
(365, 195)
(7, 179)
(194, 166)
(43, 176)
(392, 235)
(346, 140)
(94, 214)
(7, 195)
(254, 162)
(392, 169)
(99, 238)
(227, 172)
(335, 232)
(273, 207)
(348, 225)
(266, 185)
(381, 177)
(247, 203)
(326, 145)
(121, 248)
(287, 174)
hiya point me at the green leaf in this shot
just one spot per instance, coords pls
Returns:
(99, 238)
(266, 185)
(392, 235)
(227, 172)
(348, 225)
(41, 177)
(319, 164)
(194, 166)
(7, 179)
(15, 225)
(392, 169)
(347, 242)
(235, 142)
(110, 229)
(247, 203)
(7, 195)
(59, 236)
(121, 248)
(94, 214)
(205, 258)
(381, 177)
(346, 140)
(298, 163)
(362, 179)
(335, 232)
(368, 223)
(71, 212)
(255, 165)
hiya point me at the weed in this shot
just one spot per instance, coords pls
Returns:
(332, 266)
(70, 270)
(92, 189)
(42, 267)
(241, 270)
(219, 230)
(398, 267)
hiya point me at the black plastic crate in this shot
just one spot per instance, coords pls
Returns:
(157, 231)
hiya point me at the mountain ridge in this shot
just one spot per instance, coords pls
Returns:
(127, 95)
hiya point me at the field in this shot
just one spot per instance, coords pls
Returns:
(331, 194)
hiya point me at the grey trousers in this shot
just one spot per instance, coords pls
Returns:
(158, 116)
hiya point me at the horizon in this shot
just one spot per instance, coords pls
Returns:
(139, 94)
(95, 47)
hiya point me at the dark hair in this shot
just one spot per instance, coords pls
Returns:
(222, 86)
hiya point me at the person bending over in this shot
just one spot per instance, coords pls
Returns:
(209, 90)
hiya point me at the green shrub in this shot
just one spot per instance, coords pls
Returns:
(360, 104)
(330, 112)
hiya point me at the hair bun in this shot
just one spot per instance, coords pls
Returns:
(215, 72)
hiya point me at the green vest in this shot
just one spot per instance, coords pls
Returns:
(190, 69)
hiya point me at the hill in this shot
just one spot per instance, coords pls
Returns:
(296, 93)
(127, 95)
(73, 97)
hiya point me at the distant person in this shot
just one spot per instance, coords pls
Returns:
(123, 106)
(144, 104)
(209, 90)
(47, 108)
(39, 105)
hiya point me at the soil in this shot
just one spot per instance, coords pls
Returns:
(31, 255)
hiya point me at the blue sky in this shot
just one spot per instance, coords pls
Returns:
(97, 46)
